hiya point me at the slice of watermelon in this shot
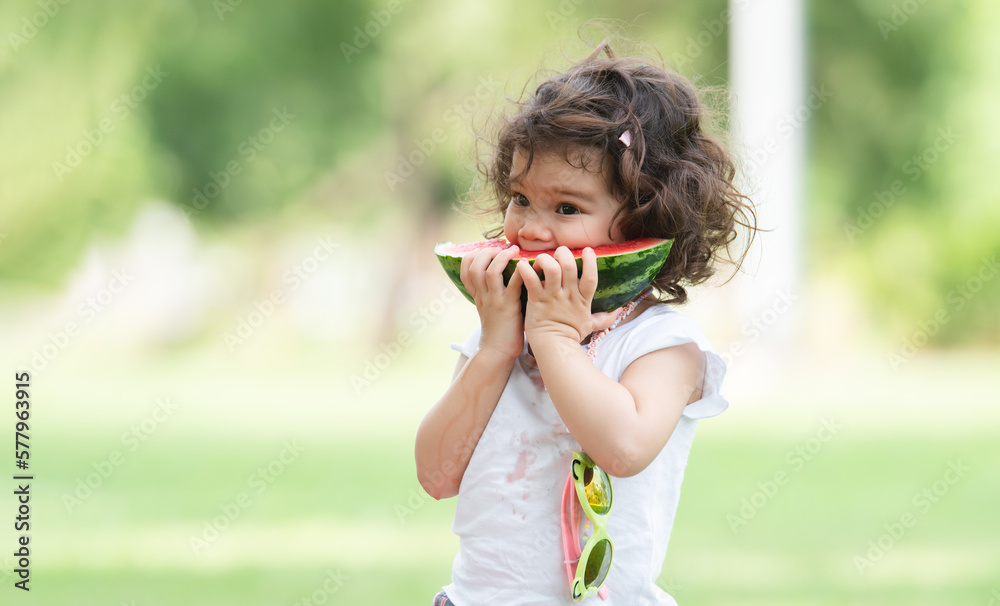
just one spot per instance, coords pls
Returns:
(624, 270)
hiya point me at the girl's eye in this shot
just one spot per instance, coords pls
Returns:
(567, 209)
(520, 200)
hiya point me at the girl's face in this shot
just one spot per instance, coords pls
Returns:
(557, 204)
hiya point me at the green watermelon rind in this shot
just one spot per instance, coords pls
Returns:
(620, 277)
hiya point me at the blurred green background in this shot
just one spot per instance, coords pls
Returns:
(216, 223)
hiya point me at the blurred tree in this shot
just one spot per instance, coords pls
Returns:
(250, 105)
(898, 200)
(264, 99)
(259, 106)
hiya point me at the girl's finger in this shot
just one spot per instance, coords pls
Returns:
(465, 276)
(495, 271)
(588, 279)
(477, 271)
(550, 271)
(514, 285)
(529, 278)
(567, 266)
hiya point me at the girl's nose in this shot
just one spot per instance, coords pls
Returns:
(533, 230)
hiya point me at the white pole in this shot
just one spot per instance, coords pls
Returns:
(770, 112)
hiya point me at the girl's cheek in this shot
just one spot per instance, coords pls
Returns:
(510, 227)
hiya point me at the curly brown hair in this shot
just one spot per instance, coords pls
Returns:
(673, 181)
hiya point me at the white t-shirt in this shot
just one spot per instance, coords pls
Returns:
(508, 512)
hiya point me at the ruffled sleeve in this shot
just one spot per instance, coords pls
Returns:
(667, 330)
(468, 346)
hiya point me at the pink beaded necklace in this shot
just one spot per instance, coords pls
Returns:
(594, 340)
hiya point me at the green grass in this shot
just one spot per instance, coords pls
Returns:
(349, 504)
(324, 513)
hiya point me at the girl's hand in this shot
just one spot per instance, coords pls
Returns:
(559, 307)
(499, 306)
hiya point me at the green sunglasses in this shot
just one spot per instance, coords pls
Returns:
(587, 569)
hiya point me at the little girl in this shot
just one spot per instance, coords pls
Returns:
(610, 151)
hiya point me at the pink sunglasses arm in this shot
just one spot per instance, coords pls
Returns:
(570, 537)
